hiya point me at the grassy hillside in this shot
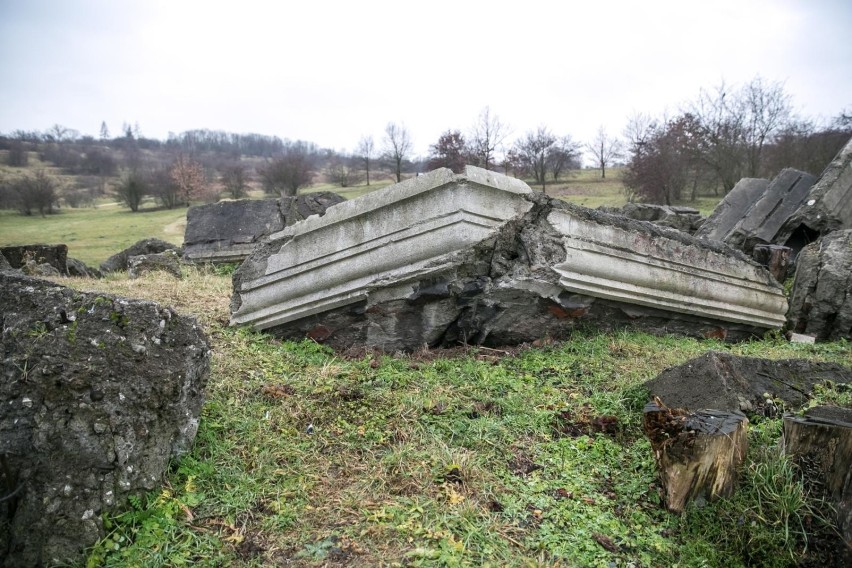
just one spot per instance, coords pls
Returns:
(468, 457)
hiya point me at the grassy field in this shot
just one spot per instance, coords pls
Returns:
(93, 234)
(468, 457)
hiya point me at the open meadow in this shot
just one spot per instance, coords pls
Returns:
(461, 457)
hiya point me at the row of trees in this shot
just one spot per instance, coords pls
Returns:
(726, 134)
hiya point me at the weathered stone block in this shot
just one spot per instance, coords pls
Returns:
(735, 205)
(828, 206)
(480, 258)
(53, 255)
(821, 303)
(97, 394)
(762, 223)
(119, 260)
(167, 262)
(227, 231)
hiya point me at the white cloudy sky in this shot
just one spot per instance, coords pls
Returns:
(331, 71)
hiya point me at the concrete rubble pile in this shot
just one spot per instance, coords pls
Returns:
(480, 258)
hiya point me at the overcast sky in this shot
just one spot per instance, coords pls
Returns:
(333, 71)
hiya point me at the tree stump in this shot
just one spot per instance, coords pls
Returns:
(820, 443)
(698, 453)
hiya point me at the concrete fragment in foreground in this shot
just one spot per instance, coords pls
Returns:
(480, 258)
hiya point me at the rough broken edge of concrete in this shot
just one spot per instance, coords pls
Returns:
(429, 219)
(433, 217)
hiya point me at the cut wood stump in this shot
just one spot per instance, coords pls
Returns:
(820, 444)
(698, 453)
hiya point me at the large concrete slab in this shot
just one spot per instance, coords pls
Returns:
(828, 206)
(228, 231)
(481, 258)
(732, 208)
(793, 210)
(762, 223)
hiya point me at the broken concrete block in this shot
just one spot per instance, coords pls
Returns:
(762, 223)
(166, 261)
(54, 255)
(828, 206)
(480, 258)
(98, 395)
(792, 210)
(119, 260)
(821, 302)
(227, 231)
(774, 257)
(732, 208)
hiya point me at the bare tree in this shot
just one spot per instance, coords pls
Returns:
(188, 176)
(737, 124)
(365, 151)
(604, 148)
(486, 136)
(36, 191)
(533, 149)
(564, 154)
(342, 170)
(235, 179)
(450, 151)
(132, 189)
(767, 109)
(104, 131)
(397, 146)
(293, 169)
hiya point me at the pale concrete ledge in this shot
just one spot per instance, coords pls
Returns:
(400, 232)
(609, 262)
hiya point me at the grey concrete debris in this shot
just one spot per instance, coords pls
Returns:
(732, 208)
(762, 223)
(227, 231)
(686, 219)
(821, 302)
(53, 255)
(828, 206)
(166, 261)
(793, 210)
(80, 269)
(97, 394)
(119, 260)
(722, 381)
(480, 258)
(4, 264)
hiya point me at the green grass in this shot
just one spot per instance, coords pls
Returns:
(93, 234)
(307, 458)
